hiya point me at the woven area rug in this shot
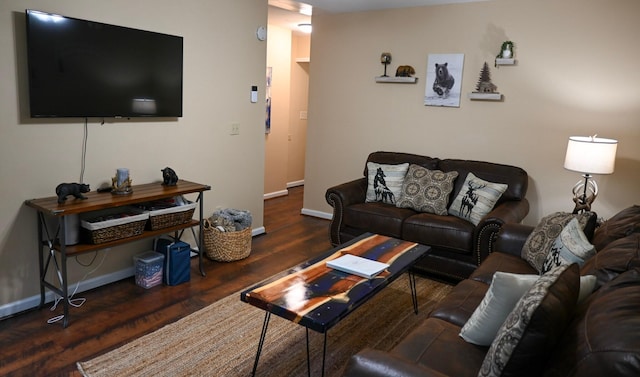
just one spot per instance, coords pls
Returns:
(222, 339)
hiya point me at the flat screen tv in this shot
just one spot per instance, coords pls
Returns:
(80, 68)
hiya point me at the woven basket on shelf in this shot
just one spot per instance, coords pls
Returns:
(169, 217)
(226, 246)
(113, 233)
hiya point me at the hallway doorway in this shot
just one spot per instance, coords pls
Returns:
(288, 64)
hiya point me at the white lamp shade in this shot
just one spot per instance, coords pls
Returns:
(591, 155)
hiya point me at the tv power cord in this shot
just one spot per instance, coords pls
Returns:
(75, 302)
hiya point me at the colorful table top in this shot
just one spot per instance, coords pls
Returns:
(317, 297)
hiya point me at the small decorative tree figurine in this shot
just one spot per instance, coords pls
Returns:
(484, 82)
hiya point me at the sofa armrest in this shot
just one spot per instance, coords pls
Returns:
(341, 196)
(374, 363)
(513, 211)
(511, 238)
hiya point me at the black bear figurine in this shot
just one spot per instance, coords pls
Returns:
(76, 189)
(169, 177)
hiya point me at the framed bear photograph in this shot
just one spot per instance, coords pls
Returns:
(444, 80)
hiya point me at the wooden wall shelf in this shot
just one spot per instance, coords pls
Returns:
(397, 80)
(485, 96)
(502, 61)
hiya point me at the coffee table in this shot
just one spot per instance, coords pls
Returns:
(318, 297)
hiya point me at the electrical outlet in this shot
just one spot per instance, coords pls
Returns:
(235, 129)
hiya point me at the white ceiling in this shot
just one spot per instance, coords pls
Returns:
(341, 6)
(286, 13)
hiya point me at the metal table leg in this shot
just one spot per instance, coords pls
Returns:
(414, 295)
(201, 236)
(261, 342)
(324, 353)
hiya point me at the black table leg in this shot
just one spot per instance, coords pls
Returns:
(414, 295)
(324, 353)
(261, 342)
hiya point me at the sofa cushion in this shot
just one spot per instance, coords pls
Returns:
(476, 199)
(619, 256)
(498, 261)
(622, 224)
(603, 338)
(394, 158)
(436, 345)
(426, 190)
(444, 232)
(571, 246)
(533, 328)
(457, 306)
(539, 242)
(515, 178)
(503, 294)
(385, 182)
(378, 218)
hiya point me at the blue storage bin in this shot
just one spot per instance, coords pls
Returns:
(177, 261)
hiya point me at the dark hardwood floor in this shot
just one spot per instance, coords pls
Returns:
(120, 312)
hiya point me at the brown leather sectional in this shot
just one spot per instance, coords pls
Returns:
(458, 246)
(602, 337)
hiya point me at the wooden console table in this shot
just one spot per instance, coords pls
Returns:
(52, 243)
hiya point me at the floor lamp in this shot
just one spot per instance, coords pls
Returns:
(589, 155)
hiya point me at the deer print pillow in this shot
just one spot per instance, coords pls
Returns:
(385, 182)
(476, 198)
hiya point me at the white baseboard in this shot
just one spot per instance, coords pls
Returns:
(314, 213)
(257, 231)
(295, 183)
(276, 194)
(33, 301)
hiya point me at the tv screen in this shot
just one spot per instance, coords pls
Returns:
(80, 68)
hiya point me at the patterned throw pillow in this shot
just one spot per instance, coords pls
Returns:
(532, 329)
(426, 190)
(505, 291)
(539, 242)
(476, 198)
(571, 246)
(385, 182)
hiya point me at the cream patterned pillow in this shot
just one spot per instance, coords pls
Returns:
(476, 198)
(539, 242)
(571, 246)
(385, 182)
(425, 190)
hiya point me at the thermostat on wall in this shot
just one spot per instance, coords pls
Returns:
(261, 33)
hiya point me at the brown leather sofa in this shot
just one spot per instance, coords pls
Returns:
(602, 337)
(458, 246)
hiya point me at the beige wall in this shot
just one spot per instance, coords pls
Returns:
(299, 103)
(276, 152)
(577, 74)
(285, 145)
(222, 60)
